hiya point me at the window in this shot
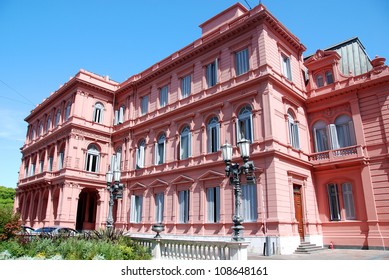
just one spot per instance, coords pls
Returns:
(211, 73)
(293, 132)
(335, 203)
(319, 81)
(61, 157)
(213, 204)
(159, 204)
(249, 203)
(185, 143)
(320, 136)
(48, 123)
(41, 162)
(51, 160)
(183, 201)
(118, 160)
(344, 135)
(186, 83)
(329, 77)
(163, 96)
(67, 110)
(119, 115)
(57, 118)
(244, 124)
(213, 133)
(40, 129)
(140, 154)
(92, 159)
(286, 69)
(136, 209)
(98, 112)
(348, 201)
(144, 103)
(26, 170)
(32, 169)
(242, 62)
(160, 151)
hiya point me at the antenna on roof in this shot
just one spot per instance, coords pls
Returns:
(248, 4)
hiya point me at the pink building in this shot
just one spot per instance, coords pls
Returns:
(318, 128)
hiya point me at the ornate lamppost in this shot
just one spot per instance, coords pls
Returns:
(115, 189)
(234, 172)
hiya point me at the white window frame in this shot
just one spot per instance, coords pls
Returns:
(293, 131)
(249, 202)
(242, 64)
(160, 150)
(163, 96)
(286, 67)
(185, 149)
(92, 159)
(186, 86)
(140, 154)
(211, 73)
(213, 135)
(244, 124)
(136, 208)
(159, 207)
(184, 204)
(213, 205)
(98, 112)
(144, 105)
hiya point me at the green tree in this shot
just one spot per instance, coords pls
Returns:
(9, 221)
(7, 196)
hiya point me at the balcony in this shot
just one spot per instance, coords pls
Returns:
(343, 155)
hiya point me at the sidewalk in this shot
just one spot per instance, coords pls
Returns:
(327, 254)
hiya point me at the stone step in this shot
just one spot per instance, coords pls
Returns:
(307, 248)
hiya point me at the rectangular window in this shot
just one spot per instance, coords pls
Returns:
(348, 201)
(249, 203)
(244, 129)
(213, 138)
(32, 169)
(41, 166)
(186, 86)
(159, 205)
(144, 104)
(26, 171)
(92, 163)
(140, 157)
(213, 205)
(60, 160)
(183, 201)
(50, 167)
(160, 152)
(136, 209)
(321, 139)
(333, 202)
(286, 69)
(294, 135)
(211, 73)
(242, 62)
(163, 96)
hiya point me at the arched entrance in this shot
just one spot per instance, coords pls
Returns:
(86, 209)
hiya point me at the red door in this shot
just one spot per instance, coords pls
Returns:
(298, 208)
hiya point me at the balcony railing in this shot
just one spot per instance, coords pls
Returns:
(174, 249)
(351, 152)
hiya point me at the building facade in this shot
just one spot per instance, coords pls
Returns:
(317, 126)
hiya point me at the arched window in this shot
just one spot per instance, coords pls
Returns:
(185, 143)
(160, 149)
(67, 110)
(61, 158)
(40, 129)
(329, 77)
(92, 159)
(213, 135)
(48, 123)
(345, 133)
(319, 81)
(98, 112)
(293, 131)
(118, 159)
(140, 154)
(320, 136)
(57, 118)
(244, 125)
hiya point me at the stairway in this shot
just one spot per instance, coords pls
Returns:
(307, 248)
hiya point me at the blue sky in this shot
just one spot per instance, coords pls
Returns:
(44, 42)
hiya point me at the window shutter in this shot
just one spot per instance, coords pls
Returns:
(348, 201)
(141, 156)
(116, 120)
(189, 144)
(217, 201)
(139, 210)
(156, 153)
(237, 125)
(210, 206)
(333, 136)
(181, 201)
(251, 133)
(132, 214)
(121, 114)
(216, 70)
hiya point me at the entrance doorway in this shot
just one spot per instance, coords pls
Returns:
(86, 210)
(298, 209)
